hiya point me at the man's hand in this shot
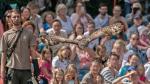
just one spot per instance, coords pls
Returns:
(131, 73)
(3, 76)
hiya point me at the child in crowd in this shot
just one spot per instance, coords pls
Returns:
(133, 78)
(71, 75)
(101, 54)
(45, 66)
(132, 61)
(62, 58)
(42, 42)
(58, 76)
(141, 73)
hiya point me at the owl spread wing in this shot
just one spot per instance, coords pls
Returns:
(113, 29)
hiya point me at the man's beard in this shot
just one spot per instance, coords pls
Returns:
(103, 14)
(16, 23)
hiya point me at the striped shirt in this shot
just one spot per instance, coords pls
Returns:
(107, 75)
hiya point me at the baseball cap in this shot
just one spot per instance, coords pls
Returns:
(136, 5)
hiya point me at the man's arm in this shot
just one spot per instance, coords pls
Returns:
(3, 63)
(3, 46)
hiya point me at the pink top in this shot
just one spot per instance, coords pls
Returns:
(47, 65)
(142, 78)
(85, 60)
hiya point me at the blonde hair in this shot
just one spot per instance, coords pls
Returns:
(59, 54)
(71, 67)
(59, 7)
(121, 43)
(57, 70)
(99, 48)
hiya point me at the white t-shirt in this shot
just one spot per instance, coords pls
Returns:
(57, 63)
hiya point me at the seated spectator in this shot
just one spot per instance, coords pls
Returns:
(42, 42)
(58, 76)
(48, 18)
(136, 10)
(109, 73)
(108, 43)
(75, 16)
(147, 65)
(102, 19)
(119, 48)
(57, 31)
(74, 59)
(133, 61)
(141, 73)
(71, 75)
(61, 11)
(135, 48)
(133, 78)
(78, 31)
(127, 5)
(7, 21)
(81, 16)
(36, 19)
(101, 54)
(45, 67)
(93, 76)
(62, 59)
(25, 14)
(86, 56)
(90, 30)
(118, 18)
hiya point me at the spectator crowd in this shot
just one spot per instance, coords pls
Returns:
(117, 59)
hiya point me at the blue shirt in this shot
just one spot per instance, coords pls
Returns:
(66, 25)
(46, 26)
(100, 23)
(131, 30)
(140, 53)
